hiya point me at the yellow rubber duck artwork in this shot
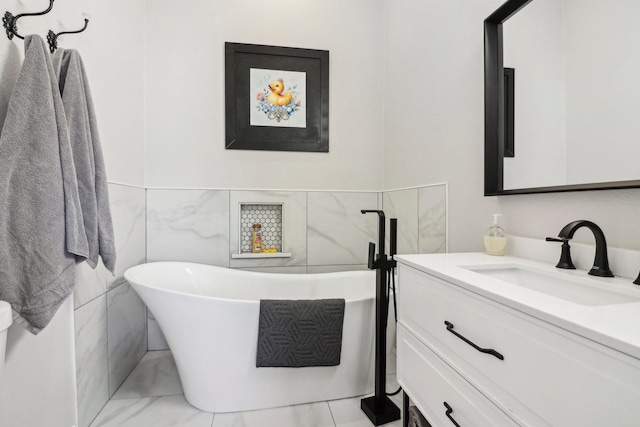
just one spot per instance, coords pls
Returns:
(277, 97)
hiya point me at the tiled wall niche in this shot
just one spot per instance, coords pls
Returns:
(269, 216)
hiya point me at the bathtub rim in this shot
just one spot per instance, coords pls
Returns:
(131, 270)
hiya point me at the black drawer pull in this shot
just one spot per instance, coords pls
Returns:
(480, 349)
(448, 414)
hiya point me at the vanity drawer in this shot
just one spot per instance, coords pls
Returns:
(431, 384)
(548, 376)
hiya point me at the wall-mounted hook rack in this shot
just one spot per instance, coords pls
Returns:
(52, 38)
(10, 22)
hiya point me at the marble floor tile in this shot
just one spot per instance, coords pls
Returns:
(166, 411)
(308, 415)
(152, 396)
(155, 375)
(347, 413)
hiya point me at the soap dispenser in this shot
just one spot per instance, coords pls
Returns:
(495, 241)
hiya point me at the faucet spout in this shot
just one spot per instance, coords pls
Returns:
(601, 261)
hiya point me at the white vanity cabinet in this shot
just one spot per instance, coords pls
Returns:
(466, 359)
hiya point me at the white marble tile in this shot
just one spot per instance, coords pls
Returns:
(92, 365)
(285, 270)
(347, 413)
(89, 283)
(155, 337)
(312, 269)
(166, 411)
(433, 219)
(338, 232)
(155, 375)
(188, 225)
(294, 217)
(308, 415)
(128, 213)
(403, 205)
(127, 330)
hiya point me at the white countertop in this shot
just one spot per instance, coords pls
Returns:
(616, 325)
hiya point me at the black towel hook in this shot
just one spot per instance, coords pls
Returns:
(52, 38)
(9, 21)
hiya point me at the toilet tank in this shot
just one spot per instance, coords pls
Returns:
(5, 321)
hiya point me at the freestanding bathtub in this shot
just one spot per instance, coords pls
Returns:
(209, 316)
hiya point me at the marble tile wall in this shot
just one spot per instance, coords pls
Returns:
(323, 230)
(110, 319)
(338, 233)
(403, 205)
(432, 219)
(422, 218)
(188, 225)
(92, 360)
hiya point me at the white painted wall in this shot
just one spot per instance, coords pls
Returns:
(112, 52)
(434, 120)
(38, 384)
(185, 93)
(42, 368)
(434, 130)
(603, 41)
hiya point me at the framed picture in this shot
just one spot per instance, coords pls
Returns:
(276, 98)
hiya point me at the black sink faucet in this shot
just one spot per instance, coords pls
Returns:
(601, 261)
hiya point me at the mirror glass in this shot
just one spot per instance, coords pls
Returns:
(576, 96)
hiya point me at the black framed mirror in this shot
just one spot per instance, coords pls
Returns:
(501, 142)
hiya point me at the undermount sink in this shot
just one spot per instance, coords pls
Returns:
(584, 291)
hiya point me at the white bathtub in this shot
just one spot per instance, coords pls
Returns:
(209, 316)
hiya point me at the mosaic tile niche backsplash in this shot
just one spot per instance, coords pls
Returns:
(269, 216)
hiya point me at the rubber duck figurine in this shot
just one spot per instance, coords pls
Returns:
(277, 97)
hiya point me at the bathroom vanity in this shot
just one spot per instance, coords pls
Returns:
(505, 341)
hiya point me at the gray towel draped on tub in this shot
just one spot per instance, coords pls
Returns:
(300, 333)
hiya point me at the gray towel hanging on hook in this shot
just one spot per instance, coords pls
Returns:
(87, 156)
(41, 225)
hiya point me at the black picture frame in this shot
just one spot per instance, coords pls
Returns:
(240, 134)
